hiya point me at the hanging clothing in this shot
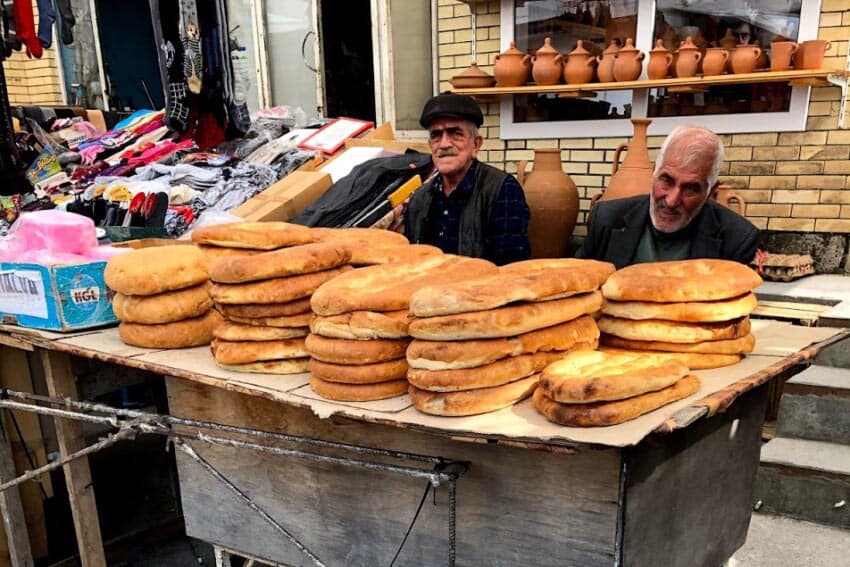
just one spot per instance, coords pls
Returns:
(25, 28)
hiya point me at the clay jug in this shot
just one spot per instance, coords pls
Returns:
(762, 62)
(781, 53)
(744, 58)
(715, 61)
(634, 175)
(553, 200)
(547, 64)
(605, 67)
(629, 62)
(512, 67)
(810, 54)
(688, 58)
(580, 65)
(726, 196)
(660, 60)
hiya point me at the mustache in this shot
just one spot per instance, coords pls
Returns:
(661, 205)
(446, 152)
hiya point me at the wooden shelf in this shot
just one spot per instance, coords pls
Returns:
(812, 77)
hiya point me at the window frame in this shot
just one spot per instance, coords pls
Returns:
(794, 119)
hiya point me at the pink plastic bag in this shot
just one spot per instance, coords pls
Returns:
(57, 231)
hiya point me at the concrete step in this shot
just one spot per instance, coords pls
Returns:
(808, 480)
(815, 405)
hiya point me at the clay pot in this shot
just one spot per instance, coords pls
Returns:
(629, 62)
(580, 65)
(688, 58)
(547, 64)
(744, 58)
(726, 196)
(780, 55)
(512, 67)
(605, 67)
(728, 41)
(660, 60)
(762, 62)
(810, 54)
(634, 175)
(715, 61)
(553, 200)
(472, 78)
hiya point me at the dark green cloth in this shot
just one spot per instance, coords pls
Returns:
(657, 246)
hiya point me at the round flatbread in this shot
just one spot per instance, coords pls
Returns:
(691, 311)
(253, 235)
(357, 392)
(453, 355)
(681, 281)
(506, 321)
(586, 376)
(301, 321)
(215, 252)
(254, 310)
(295, 260)
(365, 244)
(472, 402)
(742, 345)
(348, 351)
(277, 290)
(611, 413)
(230, 331)
(363, 325)
(392, 254)
(388, 287)
(493, 374)
(242, 352)
(359, 374)
(532, 280)
(287, 366)
(178, 334)
(163, 307)
(693, 360)
(673, 331)
(148, 271)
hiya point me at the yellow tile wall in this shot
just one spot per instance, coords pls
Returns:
(794, 181)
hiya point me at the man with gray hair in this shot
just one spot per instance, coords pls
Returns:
(677, 220)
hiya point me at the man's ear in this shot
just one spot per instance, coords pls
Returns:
(479, 141)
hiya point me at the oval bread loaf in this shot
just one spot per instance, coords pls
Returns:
(148, 271)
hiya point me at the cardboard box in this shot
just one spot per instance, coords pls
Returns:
(286, 198)
(58, 298)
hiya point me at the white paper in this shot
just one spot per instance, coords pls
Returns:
(342, 165)
(22, 293)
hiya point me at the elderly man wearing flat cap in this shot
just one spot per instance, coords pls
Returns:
(467, 207)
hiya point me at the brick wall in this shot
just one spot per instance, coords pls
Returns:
(791, 181)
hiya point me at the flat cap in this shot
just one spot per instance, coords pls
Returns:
(451, 105)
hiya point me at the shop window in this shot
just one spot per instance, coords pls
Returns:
(726, 109)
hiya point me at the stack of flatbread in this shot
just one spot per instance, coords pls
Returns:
(480, 344)
(694, 310)
(265, 296)
(371, 246)
(162, 297)
(360, 335)
(596, 388)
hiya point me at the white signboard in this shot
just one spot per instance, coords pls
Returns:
(22, 293)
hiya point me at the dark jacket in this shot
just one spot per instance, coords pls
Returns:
(615, 228)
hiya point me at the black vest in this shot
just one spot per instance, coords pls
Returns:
(474, 218)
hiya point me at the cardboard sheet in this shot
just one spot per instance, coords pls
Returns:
(781, 338)
(390, 405)
(41, 333)
(106, 341)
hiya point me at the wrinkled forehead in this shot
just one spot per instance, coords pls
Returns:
(449, 122)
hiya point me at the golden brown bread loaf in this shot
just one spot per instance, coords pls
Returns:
(163, 307)
(277, 290)
(363, 325)
(369, 245)
(357, 392)
(587, 376)
(243, 352)
(611, 413)
(254, 310)
(178, 334)
(348, 351)
(452, 355)
(148, 271)
(680, 281)
(506, 321)
(391, 254)
(388, 287)
(692, 311)
(742, 345)
(494, 374)
(359, 374)
(301, 321)
(531, 280)
(286, 366)
(295, 260)
(213, 253)
(673, 331)
(230, 331)
(693, 360)
(253, 235)
(472, 402)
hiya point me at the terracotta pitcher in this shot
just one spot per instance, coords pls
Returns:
(715, 61)
(634, 175)
(660, 60)
(553, 200)
(781, 53)
(512, 67)
(629, 62)
(745, 58)
(688, 58)
(605, 67)
(810, 54)
(547, 64)
(580, 66)
(726, 196)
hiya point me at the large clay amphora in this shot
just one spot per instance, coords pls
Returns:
(512, 67)
(629, 62)
(547, 64)
(726, 196)
(660, 59)
(780, 55)
(634, 175)
(553, 200)
(744, 58)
